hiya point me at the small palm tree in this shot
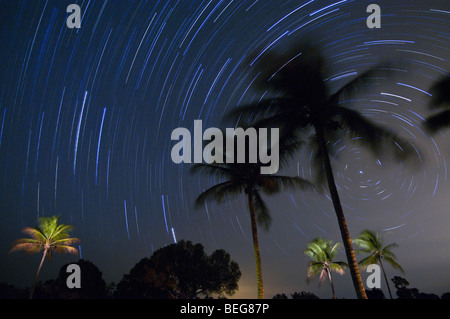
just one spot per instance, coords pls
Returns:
(440, 100)
(371, 243)
(322, 253)
(49, 236)
(238, 178)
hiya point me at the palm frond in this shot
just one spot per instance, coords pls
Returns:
(393, 263)
(338, 267)
(335, 248)
(34, 232)
(62, 231)
(387, 248)
(29, 245)
(368, 240)
(65, 241)
(371, 259)
(365, 79)
(48, 225)
(313, 269)
(219, 192)
(438, 121)
(378, 139)
(262, 212)
(440, 93)
(64, 249)
(241, 115)
(217, 170)
(289, 182)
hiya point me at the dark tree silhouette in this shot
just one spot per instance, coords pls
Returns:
(297, 295)
(304, 106)
(375, 293)
(445, 295)
(403, 292)
(303, 295)
(8, 291)
(280, 296)
(93, 286)
(440, 101)
(181, 271)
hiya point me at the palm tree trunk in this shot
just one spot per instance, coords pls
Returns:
(353, 264)
(331, 283)
(385, 277)
(256, 245)
(37, 274)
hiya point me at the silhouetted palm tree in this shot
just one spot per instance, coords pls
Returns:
(48, 236)
(371, 243)
(304, 102)
(238, 178)
(440, 100)
(322, 253)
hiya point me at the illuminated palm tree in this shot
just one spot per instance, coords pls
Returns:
(304, 108)
(371, 243)
(48, 236)
(238, 178)
(440, 100)
(322, 253)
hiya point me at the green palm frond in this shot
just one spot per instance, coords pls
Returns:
(388, 248)
(314, 268)
(371, 259)
(335, 248)
(34, 232)
(322, 252)
(393, 263)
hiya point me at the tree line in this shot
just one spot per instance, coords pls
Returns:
(184, 271)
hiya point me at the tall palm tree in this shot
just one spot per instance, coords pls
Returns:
(322, 253)
(304, 105)
(49, 236)
(371, 243)
(440, 100)
(238, 178)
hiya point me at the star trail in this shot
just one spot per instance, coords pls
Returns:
(86, 118)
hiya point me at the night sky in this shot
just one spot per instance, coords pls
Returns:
(86, 117)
